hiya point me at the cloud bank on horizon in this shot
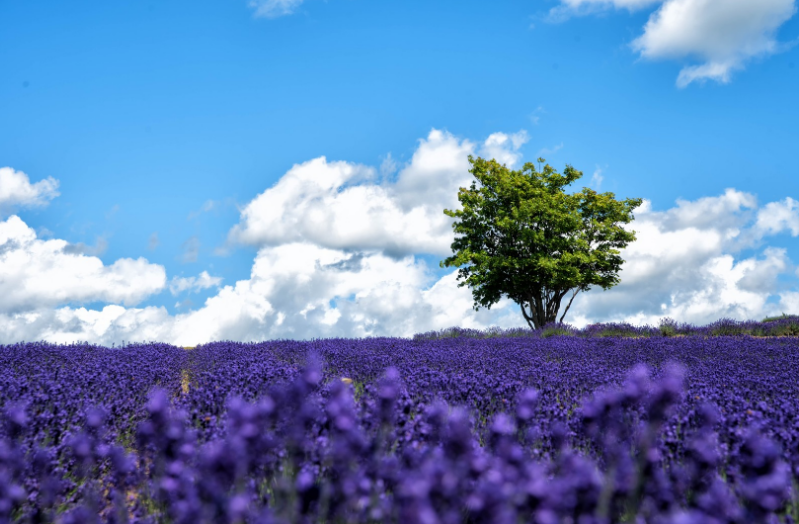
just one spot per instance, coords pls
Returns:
(339, 254)
(719, 36)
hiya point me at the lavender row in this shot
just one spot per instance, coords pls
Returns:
(781, 326)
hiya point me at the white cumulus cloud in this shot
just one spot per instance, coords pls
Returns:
(38, 273)
(297, 291)
(685, 264)
(721, 34)
(504, 148)
(338, 205)
(776, 217)
(716, 37)
(16, 191)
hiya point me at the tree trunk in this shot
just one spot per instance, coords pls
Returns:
(544, 310)
(537, 317)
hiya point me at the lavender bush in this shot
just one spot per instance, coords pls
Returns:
(583, 426)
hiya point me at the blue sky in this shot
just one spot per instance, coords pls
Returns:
(159, 124)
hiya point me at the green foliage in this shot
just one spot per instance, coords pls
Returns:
(617, 333)
(790, 329)
(554, 331)
(773, 319)
(668, 327)
(728, 328)
(525, 238)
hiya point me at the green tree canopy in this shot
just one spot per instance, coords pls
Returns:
(524, 237)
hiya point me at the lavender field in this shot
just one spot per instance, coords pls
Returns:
(607, 424)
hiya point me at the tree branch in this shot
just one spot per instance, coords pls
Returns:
(527, 317)
(569, 304)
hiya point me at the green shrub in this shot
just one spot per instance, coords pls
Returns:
(553, 331)
(791, 329)
(772, 319)
(668, 327)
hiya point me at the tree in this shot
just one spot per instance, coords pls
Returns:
(526, 238)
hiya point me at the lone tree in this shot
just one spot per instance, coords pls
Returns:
(526, 238)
